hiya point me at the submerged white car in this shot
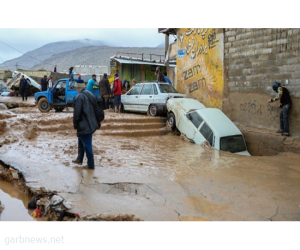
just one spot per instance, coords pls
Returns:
(150, 96)
(201, 124)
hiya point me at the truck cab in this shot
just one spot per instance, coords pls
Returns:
(60, 96)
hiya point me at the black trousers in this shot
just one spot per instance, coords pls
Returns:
(24, 94)
(284, 118)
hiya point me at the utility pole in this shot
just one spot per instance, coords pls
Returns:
(17, 65)
(166, 51)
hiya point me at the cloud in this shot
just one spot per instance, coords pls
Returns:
(27, 39)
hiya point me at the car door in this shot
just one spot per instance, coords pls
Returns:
(189, 124)
(204, 133)
(71, 92)
(130, 100)
(58, 93)
(146, 97)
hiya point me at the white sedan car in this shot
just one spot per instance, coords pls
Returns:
(201, 124)
(150, 96)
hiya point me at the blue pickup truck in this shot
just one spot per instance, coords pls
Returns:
(60, 96)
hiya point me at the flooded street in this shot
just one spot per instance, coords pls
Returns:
(142, 169)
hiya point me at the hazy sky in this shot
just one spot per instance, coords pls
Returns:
(26, 40)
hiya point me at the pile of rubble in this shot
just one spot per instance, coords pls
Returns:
(51, 206)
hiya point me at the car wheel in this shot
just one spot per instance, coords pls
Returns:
(44, 105)
(153, 110)
(172, 121)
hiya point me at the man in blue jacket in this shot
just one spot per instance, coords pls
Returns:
(91, 83)
(167, 79)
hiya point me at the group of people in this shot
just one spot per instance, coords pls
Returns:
(85, 121)
(107, 91)
(46, 82)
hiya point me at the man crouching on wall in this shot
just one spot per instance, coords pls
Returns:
(285, 104)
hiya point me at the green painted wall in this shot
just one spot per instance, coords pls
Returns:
(140, 72)
(130, 71)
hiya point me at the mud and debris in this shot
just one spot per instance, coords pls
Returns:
(108, 217)
(30, 132)
(3, 106)
(142, 171)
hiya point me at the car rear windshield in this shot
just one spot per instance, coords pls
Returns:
(167, 88)
(233, 143)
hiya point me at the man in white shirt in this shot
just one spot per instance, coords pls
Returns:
(50, 83)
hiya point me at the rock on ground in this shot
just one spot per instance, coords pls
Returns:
(3, 107)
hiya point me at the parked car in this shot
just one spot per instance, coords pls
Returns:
(201, 124)
(150, 96)
(60, 96)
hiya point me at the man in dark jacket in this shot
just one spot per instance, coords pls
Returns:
(84, 120)
(23, 88)
(44, 83)
(105, 91)
(285, 104)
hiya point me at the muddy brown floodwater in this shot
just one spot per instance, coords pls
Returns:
(15, 202)
(142, 169)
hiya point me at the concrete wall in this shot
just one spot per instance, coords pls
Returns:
(90, 69)
(253, 60)
(35, 73)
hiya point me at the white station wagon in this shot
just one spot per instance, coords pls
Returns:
(150, 96)
(201, 124)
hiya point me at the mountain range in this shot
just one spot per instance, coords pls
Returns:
(76, 52)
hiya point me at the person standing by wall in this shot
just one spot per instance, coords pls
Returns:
(23, 88)
(54, 68)
(85, 122)
(105, 91)
(44, 83)
(167, 79)
(117, 93)
(285, 104)
(159, 76)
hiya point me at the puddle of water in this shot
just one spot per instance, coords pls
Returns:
(15, 202)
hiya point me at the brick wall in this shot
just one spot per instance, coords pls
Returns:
(253, 60)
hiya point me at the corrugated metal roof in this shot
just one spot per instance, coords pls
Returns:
(139, 62)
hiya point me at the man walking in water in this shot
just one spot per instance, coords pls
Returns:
(285, 104)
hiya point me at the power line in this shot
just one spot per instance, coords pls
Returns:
(4, 63)
(26, 54)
